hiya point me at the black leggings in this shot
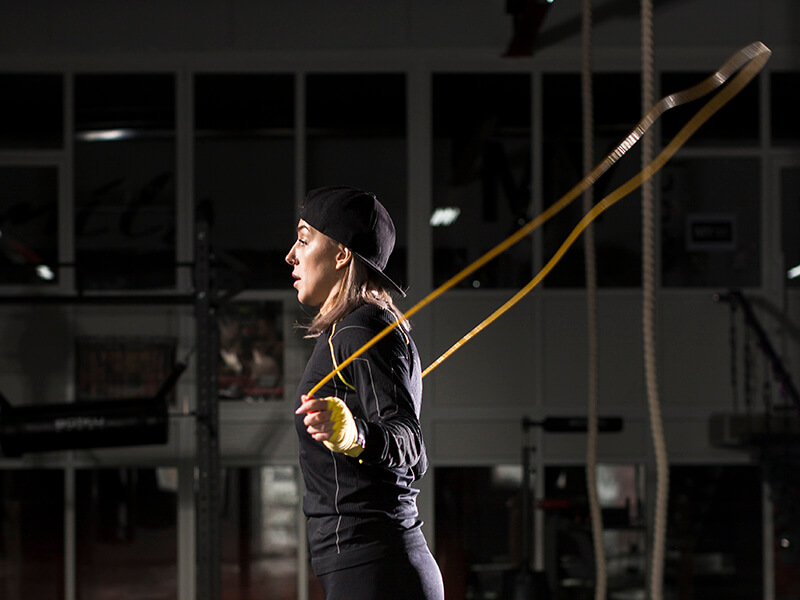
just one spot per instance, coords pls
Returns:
(414, 576)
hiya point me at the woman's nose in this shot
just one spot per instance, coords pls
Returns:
(290, 257)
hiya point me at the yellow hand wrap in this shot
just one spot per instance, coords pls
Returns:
(345, 432)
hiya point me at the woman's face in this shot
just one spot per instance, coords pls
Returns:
(318, 265)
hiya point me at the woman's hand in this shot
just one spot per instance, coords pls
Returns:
(318, 418)
(328, 420)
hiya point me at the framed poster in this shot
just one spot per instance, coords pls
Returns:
(251, 351)
(109, 367)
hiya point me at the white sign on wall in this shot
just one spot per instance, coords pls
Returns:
(710, 232)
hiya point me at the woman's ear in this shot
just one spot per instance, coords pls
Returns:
(343, 257)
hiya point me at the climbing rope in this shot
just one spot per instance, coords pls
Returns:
(648, 321)
(595, 512)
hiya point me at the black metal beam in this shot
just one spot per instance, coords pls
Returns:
(72, 299)
(208, 573)
(737, 299)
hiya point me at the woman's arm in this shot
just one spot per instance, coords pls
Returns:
(384, 395)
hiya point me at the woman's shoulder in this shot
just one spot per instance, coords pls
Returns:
(369, 316)
(365, 322)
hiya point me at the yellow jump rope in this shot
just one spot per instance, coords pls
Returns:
(744, 64)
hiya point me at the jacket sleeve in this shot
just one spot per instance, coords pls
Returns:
(384, 394)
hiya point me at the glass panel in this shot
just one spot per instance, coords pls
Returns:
(481, 176)
(737, 122)
(125, 181)
(785, 119)
(617, 101)
(569, 553)
(126, 533)
(784, 493)
(711, 222)
(31, 534)
(357, 137)
(31, 111)
(28, 224)
(260, 533)
(790, 223)
(706, 557)
(244, 171)
(251, 351)
(709, 558)
(478, 535)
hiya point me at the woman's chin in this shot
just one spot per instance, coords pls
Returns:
(305, 300)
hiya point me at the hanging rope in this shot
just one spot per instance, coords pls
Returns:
(747, 62)
(648, 320)
(587, 103)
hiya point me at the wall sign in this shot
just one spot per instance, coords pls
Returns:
(710, 232)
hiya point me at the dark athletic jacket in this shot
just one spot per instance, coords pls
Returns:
(361, 509)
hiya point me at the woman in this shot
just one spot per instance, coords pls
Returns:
(360, 438)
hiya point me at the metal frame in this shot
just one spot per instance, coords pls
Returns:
(208, 573)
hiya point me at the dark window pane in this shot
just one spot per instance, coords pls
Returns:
(143, 104)
(569, 560)
(710, 558)
(478, 535)
(790, 223)
(238, 104)
(31, 111)
(357, 137)
(481, 176)
(260, 536)
(616, 99)
(244, 172)
(28, 224)
(711, 220)
(736, 122)
(785, 118)
(126, 533)
(348, 104)
(125, 181)
(707, 559)
(32, 527)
